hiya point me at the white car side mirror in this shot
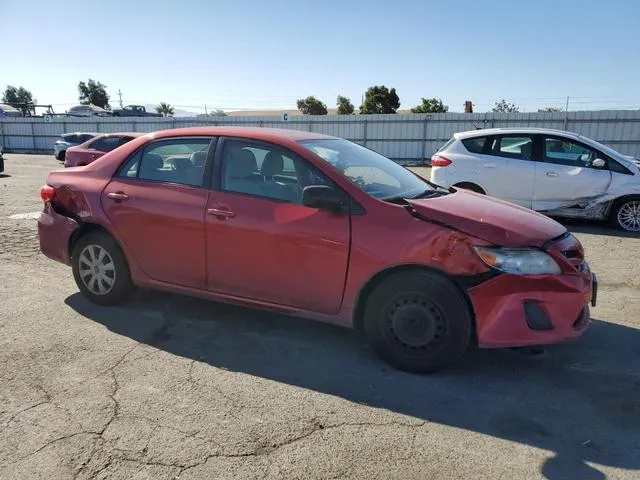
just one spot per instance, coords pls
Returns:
(598, 163)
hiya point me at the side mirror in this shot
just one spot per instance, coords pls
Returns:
(322, 197)
(598, 163)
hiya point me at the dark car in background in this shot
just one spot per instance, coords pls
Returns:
(96, 147)
(67, 140)
(134, 111)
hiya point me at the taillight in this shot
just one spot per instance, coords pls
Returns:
(47, 193)
(440, 161)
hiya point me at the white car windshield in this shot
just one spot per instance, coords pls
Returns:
(371, 172)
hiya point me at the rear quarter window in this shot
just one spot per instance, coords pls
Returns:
(475, 144)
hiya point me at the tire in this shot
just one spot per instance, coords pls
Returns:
(100, 289)
(61, 155)
(470, 186)
(625, 214)
(418, 321)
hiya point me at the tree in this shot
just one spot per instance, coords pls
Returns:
(431, 105)
(165, 109)
(345, 107)
(549, 109)
(20, 98)
(503, 107)
(312, 106)
(379, 99)
(93, 93)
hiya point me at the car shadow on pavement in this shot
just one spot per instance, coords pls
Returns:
(579, 400)
(595, 228)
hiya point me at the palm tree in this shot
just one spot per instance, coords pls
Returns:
(165, 109)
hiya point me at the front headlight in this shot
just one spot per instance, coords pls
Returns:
(519, 261)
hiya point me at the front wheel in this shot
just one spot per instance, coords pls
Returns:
(625, 214)
(101, 270)
(418, 321)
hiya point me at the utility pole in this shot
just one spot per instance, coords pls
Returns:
(205, 109)
(120, 95)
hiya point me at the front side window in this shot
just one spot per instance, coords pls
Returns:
(371, 172)
(171, 161)
(512, 146)
(265, 171)
(565, 152)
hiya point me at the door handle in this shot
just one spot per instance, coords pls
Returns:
(220, 213)
(551, 174)
(118, 196)
(489, 165)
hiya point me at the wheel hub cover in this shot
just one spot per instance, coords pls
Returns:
(414, 325)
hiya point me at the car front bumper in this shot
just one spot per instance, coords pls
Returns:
(515, 310)
(54, 233)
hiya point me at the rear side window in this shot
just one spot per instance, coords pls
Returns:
(513, 146)
(69, 138)
(85, 137)
(105, 144)
(475, 144)
(171, 161)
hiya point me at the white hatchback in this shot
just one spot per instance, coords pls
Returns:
(552, 171)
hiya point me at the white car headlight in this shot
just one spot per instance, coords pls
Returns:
(519, 261)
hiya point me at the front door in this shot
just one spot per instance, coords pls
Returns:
(565, 175)
(262, 243)
(156, 204)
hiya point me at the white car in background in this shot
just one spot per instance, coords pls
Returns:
(552, 171)
(68, 140)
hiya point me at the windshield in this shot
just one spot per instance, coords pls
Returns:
(371, 172)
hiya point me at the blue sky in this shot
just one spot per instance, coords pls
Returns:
(251, 54)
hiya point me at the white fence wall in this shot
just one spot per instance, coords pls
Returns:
(404, 138)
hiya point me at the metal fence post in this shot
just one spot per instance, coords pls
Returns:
(133, 126)
(566, 119)
(364, 134)
(424, 141)
(173, 122)
(33, 136)
(2, 135)
(97, 127)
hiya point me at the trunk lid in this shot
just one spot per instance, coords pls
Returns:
(496, 221)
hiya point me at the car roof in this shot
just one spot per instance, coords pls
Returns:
(258, 133)
(511, 130)
(79, 133)
(122, 134)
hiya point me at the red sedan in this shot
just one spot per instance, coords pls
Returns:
(96, 147)
(317, 226)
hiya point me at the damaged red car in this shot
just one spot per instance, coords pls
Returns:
(316, 226)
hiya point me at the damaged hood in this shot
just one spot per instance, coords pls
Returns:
(490, 219)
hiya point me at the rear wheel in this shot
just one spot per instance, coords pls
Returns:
(61, 155)
(625, 214)
(101, 270)
(418, 321)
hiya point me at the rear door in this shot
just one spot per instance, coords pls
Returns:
(565, 173)
(262, 243)
(156, 204)
(506, 168)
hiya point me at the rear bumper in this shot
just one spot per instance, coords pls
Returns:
(513, 310)
(54, 232)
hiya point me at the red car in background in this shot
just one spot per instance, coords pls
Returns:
(96, 147)
(312, 225)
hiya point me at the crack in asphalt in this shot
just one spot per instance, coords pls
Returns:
(316, 427)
